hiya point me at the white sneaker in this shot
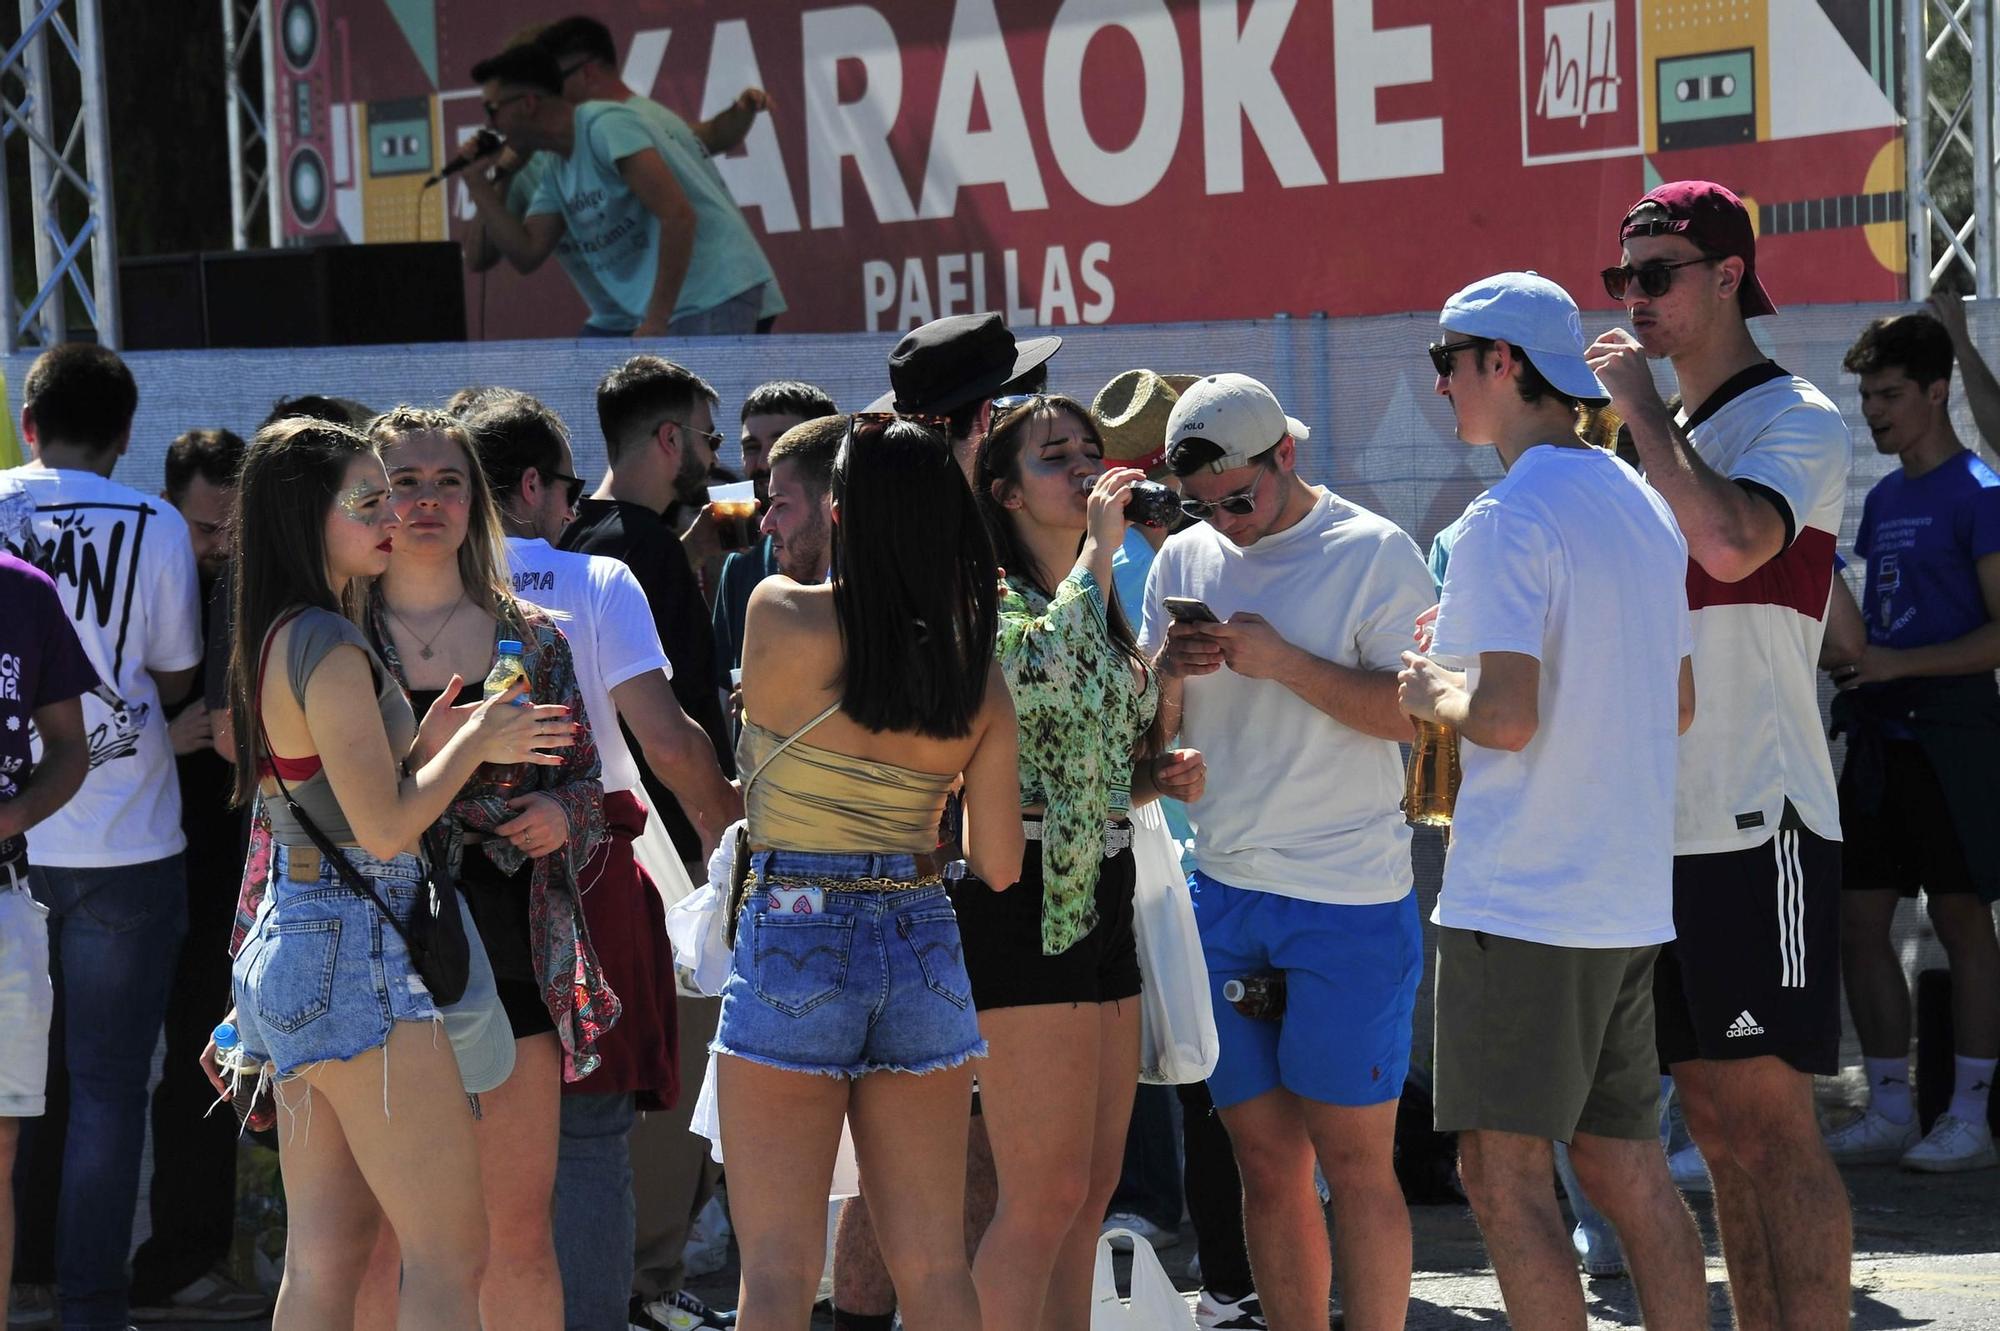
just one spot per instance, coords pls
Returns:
(1144, 1228)
(1954, 1144)
(1871, 1139)
(31, 1305)
(1689, 1170)
(1215, 1314)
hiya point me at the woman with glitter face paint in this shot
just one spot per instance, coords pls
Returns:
(372, 1118)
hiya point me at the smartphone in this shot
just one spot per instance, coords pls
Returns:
(1188, 610)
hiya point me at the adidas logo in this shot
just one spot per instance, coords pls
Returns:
(1745, 1024)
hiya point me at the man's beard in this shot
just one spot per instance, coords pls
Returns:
(804, 558)
(691, 481)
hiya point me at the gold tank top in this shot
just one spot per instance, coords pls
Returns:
(797, 796)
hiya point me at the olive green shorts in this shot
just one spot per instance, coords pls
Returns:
(1544, 1041)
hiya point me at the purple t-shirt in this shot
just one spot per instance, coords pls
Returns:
(41, 662)
(1923, 540)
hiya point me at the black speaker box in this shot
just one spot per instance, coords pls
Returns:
(316, 296)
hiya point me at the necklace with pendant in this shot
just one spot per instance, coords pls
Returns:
(424, 644)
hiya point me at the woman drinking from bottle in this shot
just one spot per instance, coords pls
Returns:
(371, 1113)
(865, 700)
(1054, 964)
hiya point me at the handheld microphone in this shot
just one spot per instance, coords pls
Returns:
(484, 144)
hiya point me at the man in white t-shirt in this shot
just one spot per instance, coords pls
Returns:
(1560, 656)
(108, 865)
(1303, 860)
(623, 675)
(1754, 466)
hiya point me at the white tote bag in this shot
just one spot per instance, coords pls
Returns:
(1177, 1040)
(1155, 1305)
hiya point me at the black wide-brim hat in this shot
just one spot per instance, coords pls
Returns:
(962, 358)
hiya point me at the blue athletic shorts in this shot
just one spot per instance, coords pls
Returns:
(1351, 977)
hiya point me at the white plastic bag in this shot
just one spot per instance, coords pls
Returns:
(1155, 1305)
(1177, 1039)
(695, 923)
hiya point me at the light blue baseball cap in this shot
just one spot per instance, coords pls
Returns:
(1533, 314)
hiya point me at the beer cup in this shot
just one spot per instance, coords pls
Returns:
(732, 509)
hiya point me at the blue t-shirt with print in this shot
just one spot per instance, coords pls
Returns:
(617, 238)
(705, 187)
(1922, 539)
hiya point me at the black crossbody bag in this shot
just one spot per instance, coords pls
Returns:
(434, 935)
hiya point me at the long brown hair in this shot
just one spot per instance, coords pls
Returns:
(291, 475)
(482, 557)
(999, 459)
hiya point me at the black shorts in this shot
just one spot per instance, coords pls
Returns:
(1755, 966)
(499, 906)
(1003, 940)
(1909, 842)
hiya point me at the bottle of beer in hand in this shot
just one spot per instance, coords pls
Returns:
(1430, 784)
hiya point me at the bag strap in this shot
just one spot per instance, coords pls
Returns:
(350, 877)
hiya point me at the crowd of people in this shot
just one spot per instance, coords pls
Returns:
(431, 702)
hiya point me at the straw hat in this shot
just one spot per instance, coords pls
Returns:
(1131, 414)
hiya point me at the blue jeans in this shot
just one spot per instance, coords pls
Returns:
(594, 1211)
(114, 940)
(872, 982)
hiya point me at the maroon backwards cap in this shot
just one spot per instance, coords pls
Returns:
(1715, 220)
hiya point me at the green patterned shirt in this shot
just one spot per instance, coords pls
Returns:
(1081, 712)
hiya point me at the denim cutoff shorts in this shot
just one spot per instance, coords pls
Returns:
(875, 982)
(321, 974)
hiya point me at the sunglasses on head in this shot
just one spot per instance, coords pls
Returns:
(1241, 504)
(867, 426)
(1654, 278)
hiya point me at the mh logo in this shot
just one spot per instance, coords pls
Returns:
(1579, 61)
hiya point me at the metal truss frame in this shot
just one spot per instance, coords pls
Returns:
(1943, 230)
(73, 254)
(253, 168)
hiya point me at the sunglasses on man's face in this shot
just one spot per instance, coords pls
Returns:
(1654, 278)
(493, 109)
(572, 484)
(1442, 352)
(1241, 504)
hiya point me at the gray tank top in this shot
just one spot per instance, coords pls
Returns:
(314, 634)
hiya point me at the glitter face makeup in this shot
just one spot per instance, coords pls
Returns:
(355, 505)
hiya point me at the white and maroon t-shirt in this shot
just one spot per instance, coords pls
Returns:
(1757, 741)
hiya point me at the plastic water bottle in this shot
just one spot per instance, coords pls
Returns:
(507, 668)
(243, 1073)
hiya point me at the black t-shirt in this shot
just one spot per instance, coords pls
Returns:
(641, 539)
(216, 834)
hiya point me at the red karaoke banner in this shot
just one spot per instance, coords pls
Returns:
(1094, 161)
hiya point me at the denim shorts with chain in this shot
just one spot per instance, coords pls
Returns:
(873, 982)
(321, 974)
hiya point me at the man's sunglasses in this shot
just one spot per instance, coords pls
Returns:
(573, 484)
(493, 108)
(1654, 278)
(1442, 352)
(1241, 504)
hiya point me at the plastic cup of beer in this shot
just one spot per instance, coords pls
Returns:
(1430, 784)
(733, 510)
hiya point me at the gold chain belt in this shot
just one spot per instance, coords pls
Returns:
(850, 884)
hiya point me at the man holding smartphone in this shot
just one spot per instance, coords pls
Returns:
(1303, 860)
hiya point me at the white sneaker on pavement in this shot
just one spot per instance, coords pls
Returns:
(1954, 1144)
(31, 1305)
(1872, 1140)
(1217, 1314)
(1144, 1228)
(1689, 1170)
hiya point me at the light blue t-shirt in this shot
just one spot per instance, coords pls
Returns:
(1130, 563)
(697, 152)
(521, 189)
(617, 240)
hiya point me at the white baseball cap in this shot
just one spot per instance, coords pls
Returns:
(1535, 316)
(1236, 414)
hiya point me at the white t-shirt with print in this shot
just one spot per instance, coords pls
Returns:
(1575, 561)
(610, 631)
(1757, 739)
(1298, 804)
(124, 568)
